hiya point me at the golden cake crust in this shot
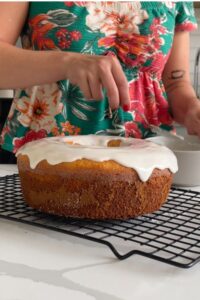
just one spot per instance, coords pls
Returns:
(90, 189)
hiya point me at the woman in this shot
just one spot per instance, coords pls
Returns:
(103, 68)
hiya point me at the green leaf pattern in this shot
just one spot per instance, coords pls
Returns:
(123, 28)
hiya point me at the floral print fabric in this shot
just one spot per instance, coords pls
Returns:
(140, 34)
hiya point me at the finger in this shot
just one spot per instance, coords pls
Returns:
(85, 88)
(191, 131)
(95, 87)
(111, 88)
(122, 85)
(196, 132)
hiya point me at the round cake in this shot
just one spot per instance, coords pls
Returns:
(96, 177)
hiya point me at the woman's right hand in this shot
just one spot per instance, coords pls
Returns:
(25, 68)
(93, 72)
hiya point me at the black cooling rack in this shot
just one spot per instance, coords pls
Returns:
(170, 235)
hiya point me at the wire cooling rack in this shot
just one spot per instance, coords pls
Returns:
(170, 235)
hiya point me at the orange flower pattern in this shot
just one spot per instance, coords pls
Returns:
(139, 34)
(70, 129)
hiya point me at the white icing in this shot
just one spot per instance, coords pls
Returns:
(141, 155)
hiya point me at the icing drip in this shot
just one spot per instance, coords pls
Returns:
(141, 155)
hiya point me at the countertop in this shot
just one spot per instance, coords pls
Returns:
(37, 264)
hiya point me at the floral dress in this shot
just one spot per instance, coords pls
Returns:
(140, 34)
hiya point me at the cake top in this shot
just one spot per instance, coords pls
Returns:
(141, 155)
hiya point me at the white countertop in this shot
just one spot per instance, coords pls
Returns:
(37, 264)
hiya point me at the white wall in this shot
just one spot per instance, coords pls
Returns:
(194, 46)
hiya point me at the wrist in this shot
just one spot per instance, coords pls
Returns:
(68, 62)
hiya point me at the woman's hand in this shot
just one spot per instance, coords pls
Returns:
(25, 68)
(92, 73)
(192, 119)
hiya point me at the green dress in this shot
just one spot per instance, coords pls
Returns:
(140, 34)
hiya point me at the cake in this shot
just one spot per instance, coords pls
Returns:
(96, 177)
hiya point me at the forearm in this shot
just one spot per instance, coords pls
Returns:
(21, 68)
(182, 98)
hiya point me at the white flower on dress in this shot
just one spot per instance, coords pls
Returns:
(39, 107)
(113, 18)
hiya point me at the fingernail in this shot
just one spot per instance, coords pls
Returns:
(126, 107)
(109, 53)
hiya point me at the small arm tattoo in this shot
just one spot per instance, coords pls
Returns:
(177, 74)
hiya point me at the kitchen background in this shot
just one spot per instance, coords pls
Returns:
(7, 95)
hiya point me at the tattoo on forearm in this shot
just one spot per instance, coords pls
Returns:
(177, 74)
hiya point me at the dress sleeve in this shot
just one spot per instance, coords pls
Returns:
(185, 17)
